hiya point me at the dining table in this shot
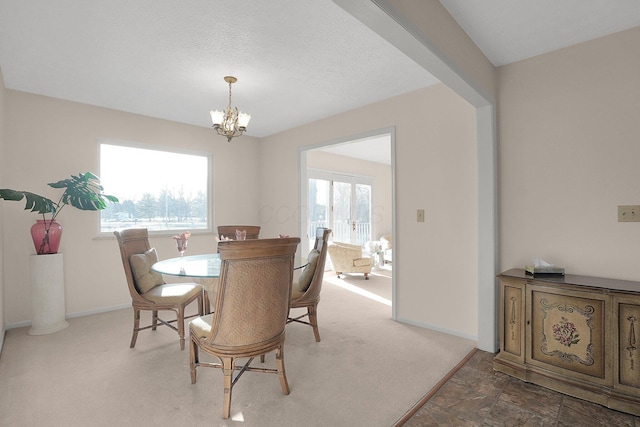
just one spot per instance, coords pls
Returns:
(206, 266)
(204, 269)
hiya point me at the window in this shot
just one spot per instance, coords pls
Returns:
(158, 189)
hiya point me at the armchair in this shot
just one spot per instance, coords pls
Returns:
(347, 258)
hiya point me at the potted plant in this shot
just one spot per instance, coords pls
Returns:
(83, 192)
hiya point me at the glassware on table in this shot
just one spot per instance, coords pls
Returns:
(182, 246)
(181, 242)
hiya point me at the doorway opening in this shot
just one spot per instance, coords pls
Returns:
(348, 186)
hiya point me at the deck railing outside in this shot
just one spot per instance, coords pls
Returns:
(342, 231)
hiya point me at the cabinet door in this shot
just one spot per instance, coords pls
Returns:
(512, 312)
(568, 331)
(627, 332)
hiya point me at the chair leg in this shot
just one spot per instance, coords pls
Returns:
(136, 326)
(281, 372)
(207, 302)
(313, 319)
(154, 319)
(201, 304)
(227, 370)
(180, 322)
(193, 358)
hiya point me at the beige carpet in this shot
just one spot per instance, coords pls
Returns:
(367, 371)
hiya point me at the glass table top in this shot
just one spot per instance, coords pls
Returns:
(207, 265)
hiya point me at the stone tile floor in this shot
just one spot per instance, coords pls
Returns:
(478, 396)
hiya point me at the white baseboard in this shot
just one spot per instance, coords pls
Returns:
(69, 316)
(438, 329)
(98, 311)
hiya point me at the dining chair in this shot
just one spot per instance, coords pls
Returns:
(147, 288)
(251, 310)
(229, 231)
(305, 292)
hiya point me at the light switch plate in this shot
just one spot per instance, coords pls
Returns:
(629, 213)
(420, 215)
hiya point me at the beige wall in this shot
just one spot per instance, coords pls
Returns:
(425, 32)
(435, 261)
(2, 143)
(48, 139)
(569, 123)
(381, 218)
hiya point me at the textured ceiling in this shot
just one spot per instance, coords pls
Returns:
(297, 61)
(511, 30)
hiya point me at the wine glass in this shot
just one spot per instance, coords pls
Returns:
(182, 246)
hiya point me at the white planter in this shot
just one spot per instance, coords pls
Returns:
(47, 294)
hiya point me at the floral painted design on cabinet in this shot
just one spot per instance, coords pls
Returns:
(568, 332)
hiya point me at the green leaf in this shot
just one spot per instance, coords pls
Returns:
(83, 192)
(34, 202)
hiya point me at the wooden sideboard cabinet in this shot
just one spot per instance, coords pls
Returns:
(574, 334)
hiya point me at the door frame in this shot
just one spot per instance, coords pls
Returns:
(303, 195)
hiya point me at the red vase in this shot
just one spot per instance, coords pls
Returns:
(46, 241)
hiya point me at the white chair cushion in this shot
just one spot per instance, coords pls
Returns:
(173, 293)
(201, 326)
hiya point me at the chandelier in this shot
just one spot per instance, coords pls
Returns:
(230, 122)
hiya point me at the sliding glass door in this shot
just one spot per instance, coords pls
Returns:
(342, 203)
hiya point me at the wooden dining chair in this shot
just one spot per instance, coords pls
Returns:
(229, 231)
(147, 288)
(251, 310)
(305, 292)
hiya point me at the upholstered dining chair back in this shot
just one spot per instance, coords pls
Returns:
(251, 309)
(306, 292)
(229, 231)
(148, 290)
(132, 241)
(253, 296)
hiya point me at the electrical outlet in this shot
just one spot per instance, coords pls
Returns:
(629, 213)
(420, 215)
